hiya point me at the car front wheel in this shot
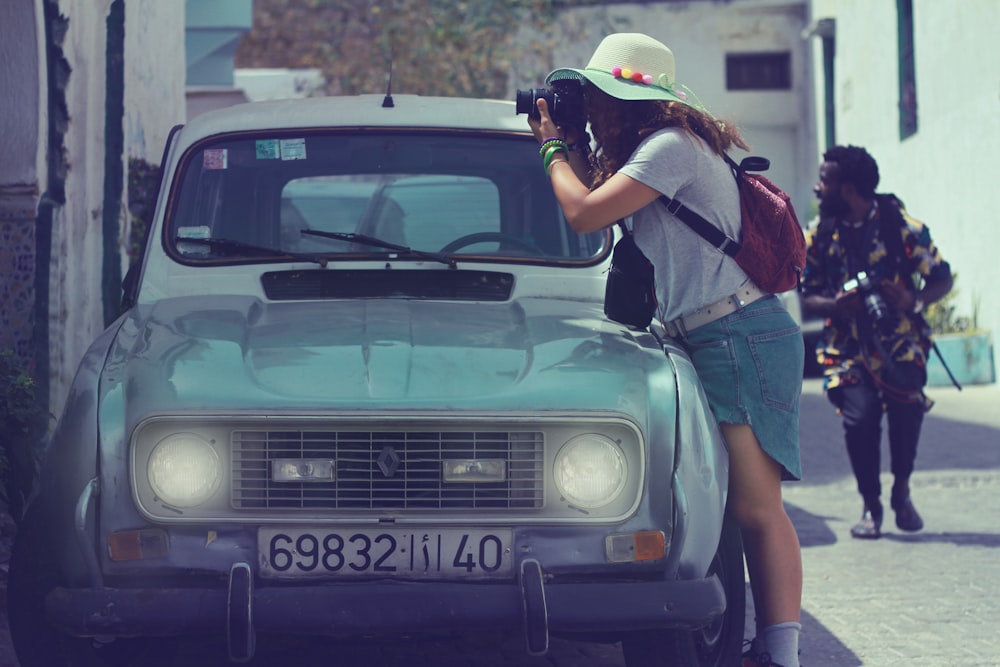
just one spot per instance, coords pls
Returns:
(718, 644)
(36, 643)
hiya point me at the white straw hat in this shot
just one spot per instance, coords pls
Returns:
(631, 66)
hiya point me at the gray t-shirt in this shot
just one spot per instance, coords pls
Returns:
(690, 272)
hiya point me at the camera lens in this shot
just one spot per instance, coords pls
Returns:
(565, 100)
(524, 102)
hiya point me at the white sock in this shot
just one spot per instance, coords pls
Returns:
(782, 642)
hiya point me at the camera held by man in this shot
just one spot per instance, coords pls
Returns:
(875, 308)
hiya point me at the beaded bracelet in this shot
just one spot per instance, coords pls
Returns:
(549, 143)
(548, 150)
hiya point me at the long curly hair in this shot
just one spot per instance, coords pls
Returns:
(620, 125)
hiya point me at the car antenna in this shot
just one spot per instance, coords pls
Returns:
(387, 102)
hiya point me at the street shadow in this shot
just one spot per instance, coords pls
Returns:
(951, 444)
(818, 640)
(945, 444)
(824, 457)
(813, 529)
(990, 540)
(815, 641)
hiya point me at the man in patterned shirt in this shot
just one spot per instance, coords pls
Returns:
(870, 270)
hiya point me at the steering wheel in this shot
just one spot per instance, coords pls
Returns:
(486, 237)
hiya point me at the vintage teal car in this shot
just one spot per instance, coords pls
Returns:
(364, 386)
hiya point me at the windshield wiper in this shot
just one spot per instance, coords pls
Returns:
(385, 245)
(232, 244)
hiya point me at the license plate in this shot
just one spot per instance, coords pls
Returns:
(453, 553)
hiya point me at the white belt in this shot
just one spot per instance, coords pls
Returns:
(685, 324)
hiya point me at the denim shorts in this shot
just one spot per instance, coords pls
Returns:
(750, 363)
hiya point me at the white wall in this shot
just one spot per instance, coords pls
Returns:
(154, 75)
(75, 309)
(154, 87)
(947, 172)
(20, 133)
(154, 100)
(777, 124)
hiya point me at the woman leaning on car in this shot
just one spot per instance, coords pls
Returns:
(652, 137)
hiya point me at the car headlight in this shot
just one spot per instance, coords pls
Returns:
(184, 470)
(590, 470)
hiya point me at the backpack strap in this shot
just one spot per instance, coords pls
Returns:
(892, 233)
(703, 227)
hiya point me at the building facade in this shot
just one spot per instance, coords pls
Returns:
(746, 60)
(914, 81)
(917, 83)
(89, 85)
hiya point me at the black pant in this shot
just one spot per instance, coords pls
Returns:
(862, 408)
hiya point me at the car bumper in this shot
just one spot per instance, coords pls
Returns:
(242, 609)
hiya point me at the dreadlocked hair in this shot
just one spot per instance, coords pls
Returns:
(619, 126)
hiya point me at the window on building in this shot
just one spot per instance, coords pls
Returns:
(759, 71)
(907, 70)
(829, 104)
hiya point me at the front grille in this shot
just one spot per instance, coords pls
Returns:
(413, 480)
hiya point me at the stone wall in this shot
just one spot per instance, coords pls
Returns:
(53, 247)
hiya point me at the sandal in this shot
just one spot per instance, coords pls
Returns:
(869, 527)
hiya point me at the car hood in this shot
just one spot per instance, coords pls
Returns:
(239, 353)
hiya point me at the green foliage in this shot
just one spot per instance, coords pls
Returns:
(942, 318)
(22, 426)
(437, 47)
(17, 391)
(143, 179)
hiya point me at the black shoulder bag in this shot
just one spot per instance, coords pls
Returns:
(629, 295)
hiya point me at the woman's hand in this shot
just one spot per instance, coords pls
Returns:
(543, 128)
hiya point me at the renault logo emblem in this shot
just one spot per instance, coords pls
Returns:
(388, 461)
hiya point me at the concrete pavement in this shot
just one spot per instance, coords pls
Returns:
(931, 598)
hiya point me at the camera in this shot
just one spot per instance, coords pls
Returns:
(875, 306)
(565, 100)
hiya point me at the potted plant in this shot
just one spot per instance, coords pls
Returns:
(965, 347)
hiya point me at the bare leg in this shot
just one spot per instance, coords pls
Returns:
(773, 555)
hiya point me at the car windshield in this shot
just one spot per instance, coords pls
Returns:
(352, 196)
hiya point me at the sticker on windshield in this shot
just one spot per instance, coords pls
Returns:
(199, 232)
(293, 149)
(267, 149)
(216, 158)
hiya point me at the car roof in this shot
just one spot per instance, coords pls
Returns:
(360, 111)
